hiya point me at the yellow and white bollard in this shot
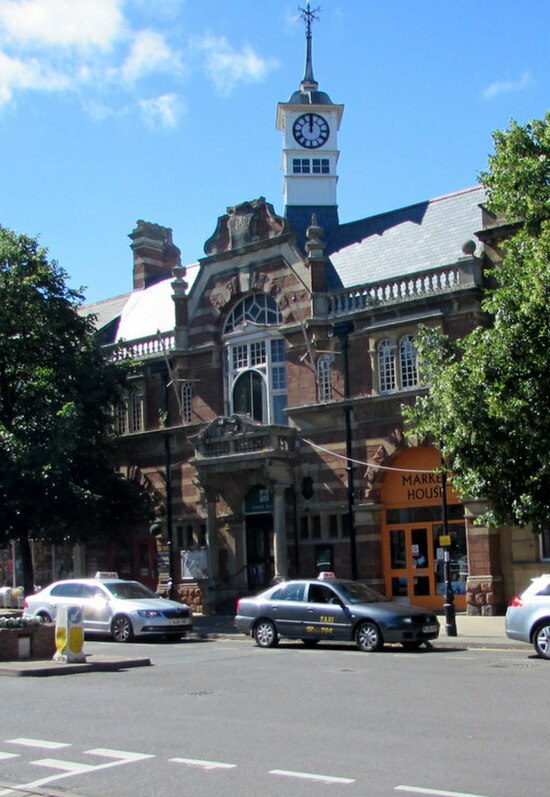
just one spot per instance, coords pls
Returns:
(69, 635)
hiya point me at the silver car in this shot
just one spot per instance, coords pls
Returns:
(123, 609)
(528, 616)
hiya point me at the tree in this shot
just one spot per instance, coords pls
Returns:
(488, 405)
(56, 394)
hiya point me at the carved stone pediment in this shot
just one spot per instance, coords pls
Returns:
(245, 224)
(229, 427)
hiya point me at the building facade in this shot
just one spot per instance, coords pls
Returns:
(264, 415)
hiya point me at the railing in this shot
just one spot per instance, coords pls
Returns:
(246, 443)
(142, 348)
(399, 289)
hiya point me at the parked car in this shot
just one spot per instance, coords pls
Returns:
(329, 608)
(528, 616)
(110, 605)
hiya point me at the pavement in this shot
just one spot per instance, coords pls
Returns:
(472, 632)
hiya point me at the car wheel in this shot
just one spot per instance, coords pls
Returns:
(411, 644)
(121, 629)
(541, 639)
(45, 617)
(368, 637)
(310, 643)
(265, 634)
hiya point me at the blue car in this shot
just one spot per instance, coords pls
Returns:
(335, 609)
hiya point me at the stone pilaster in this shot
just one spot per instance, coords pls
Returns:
(484, 585)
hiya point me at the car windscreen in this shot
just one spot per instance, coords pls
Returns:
(129, 590)
(354, 592)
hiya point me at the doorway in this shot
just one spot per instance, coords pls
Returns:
(260, 561)
(414, 560)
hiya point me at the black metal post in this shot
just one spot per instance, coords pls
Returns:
(449, 605)
(169, 526)
(342, 331)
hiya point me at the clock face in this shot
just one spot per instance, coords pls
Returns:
(310, 130)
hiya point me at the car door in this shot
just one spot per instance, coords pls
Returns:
(325, 615)
(95, 609)
(286, 609)
(67, 593)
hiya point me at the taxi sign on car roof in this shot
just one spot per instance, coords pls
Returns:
(326, 575)
(106, 574)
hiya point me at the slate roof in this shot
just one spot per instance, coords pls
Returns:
(405, 241)
(138, 314)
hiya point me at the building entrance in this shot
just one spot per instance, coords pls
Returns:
(259, 551)
(414, 538)
(414, 568)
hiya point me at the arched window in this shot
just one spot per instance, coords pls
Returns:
(255, 360)
(129, 413)
(259, 308)
(187, 403)
(324, 377)
(386, 366)
(408, 371)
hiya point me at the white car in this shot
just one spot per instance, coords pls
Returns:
(528, 616)
(123, 609)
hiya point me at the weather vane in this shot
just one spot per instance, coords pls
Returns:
(309, 14)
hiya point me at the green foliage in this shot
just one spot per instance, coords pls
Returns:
(488, 405)
(56, 394)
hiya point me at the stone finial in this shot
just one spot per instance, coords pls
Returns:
(469, 247)
(315, 246)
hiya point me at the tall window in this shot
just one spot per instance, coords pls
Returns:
(255, 360)
(187, 403)
(324, 377)
(397, 365)
(129, 414)
(407, 362)
(386, 366)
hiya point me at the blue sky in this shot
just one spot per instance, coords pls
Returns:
(164, 110)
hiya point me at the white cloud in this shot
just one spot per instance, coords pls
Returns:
(16, 75)
(149, 53)
(507, 86)
(67, 23)
(161, 112)
(227, 67)
(104, 53)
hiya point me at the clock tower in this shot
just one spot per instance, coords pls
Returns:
(310, 122)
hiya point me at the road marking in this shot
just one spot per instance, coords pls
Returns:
(310, 776)
(119, 756)
(436, 792)
(122, 756)
(42, 743)
(66, 766)
(196, 762)
(3, 756)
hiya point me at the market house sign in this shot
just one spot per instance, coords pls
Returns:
(416, 480)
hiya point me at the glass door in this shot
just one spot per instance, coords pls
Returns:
(413, 566)
(410, 564)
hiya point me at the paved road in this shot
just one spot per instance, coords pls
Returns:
(218, 718)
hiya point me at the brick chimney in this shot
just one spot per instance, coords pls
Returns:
(155, 254)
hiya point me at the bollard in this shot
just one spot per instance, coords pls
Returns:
(69, 635)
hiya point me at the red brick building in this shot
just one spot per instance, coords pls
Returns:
(265, 415)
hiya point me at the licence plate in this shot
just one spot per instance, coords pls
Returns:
(179, 621)
(429, 629)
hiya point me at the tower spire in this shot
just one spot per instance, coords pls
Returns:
(309, 15)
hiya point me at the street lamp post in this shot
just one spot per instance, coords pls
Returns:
(449, 605)
(342, 331)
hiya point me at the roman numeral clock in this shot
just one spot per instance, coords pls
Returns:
(310, 122)
(311, 130)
